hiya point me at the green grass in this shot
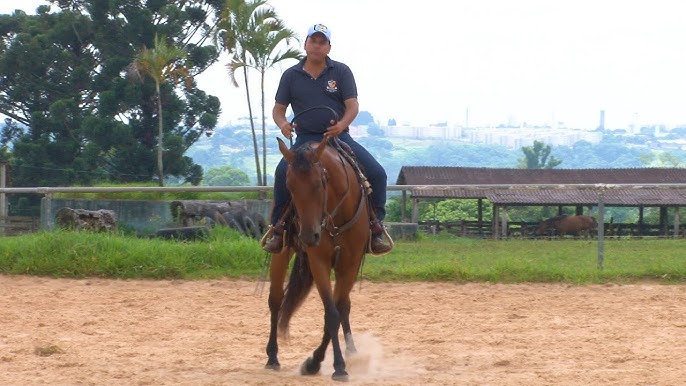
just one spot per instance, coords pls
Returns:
(433, 258)
(71, 254)
(514, 261)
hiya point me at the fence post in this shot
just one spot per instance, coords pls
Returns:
(601, 229)
(3, 197)
(47, 221)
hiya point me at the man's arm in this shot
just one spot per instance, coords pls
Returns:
(352, 107)
(279, 117)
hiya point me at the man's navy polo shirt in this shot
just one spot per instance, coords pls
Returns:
(300, 90)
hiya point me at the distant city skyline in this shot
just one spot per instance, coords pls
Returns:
(532, 61)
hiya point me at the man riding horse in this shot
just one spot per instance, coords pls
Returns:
(319, 81)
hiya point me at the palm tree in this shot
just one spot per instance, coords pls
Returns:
(536, 157)
(252, 33)
(161, 63)
(266, 53)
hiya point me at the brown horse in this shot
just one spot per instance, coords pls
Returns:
(564, 224)
(331, 232)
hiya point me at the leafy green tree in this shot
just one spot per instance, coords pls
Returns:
(62, 80)
(226, 176)
(661, 159)
(162, 64)
(373, 129)
(455, 210)
(254, 35)
(538, 157)
(363, 118)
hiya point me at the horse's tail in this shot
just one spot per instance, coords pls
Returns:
(297, 289)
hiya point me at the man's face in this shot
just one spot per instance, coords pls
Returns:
(316, 46)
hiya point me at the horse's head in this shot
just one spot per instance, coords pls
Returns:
(306, 179)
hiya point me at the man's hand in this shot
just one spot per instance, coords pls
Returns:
(287, 130)
(334, 130)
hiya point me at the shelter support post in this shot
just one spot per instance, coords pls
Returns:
(415, 210)
(494, 222)
(503, 222)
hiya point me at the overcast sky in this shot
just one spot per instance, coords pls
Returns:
(534, 61)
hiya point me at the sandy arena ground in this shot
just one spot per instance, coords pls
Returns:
(109, 332)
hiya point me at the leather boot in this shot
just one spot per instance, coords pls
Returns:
(275, 244)
(379, 245)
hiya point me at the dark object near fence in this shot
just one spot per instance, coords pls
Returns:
(250, 223)
(225, 213)
(17, 225)
(184, 233)
(102, 220)
(565, 224)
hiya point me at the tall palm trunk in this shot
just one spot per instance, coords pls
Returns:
(252, 127)
(160, 133)
(264, 135)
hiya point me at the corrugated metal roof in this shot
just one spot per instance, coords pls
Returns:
(435, 175)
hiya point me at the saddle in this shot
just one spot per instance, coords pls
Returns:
(347, 152)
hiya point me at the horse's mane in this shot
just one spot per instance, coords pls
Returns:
(300, 159)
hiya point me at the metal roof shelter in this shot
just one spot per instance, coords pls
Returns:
(438, 175)
(630, 187)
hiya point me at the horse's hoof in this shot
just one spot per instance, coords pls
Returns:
(310, 367)
(340, 376)
(273, 365)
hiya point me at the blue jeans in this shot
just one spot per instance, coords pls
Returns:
(375, 173)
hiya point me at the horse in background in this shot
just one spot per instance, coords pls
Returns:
(566, 224)
(329, 232)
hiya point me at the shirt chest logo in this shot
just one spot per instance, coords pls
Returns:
(331, 86)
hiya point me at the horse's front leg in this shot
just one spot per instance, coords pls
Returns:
(312, 365)
(277, 276)
(332, 322)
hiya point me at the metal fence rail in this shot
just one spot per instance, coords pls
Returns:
(599, 189)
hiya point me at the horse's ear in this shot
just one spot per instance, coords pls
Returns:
(287, 153)
(321, 147)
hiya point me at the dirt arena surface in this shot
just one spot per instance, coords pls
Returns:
(111, 332)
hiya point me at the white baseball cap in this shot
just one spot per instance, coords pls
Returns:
(322, 29)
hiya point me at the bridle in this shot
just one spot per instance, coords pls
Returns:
(327, 220)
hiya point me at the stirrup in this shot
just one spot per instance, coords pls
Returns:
(390, 242)
(267, 235)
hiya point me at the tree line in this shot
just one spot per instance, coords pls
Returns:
(104, 91)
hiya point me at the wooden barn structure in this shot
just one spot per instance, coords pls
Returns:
(635, 187)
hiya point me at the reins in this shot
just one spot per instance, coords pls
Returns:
(307, 110)
(347, 225)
